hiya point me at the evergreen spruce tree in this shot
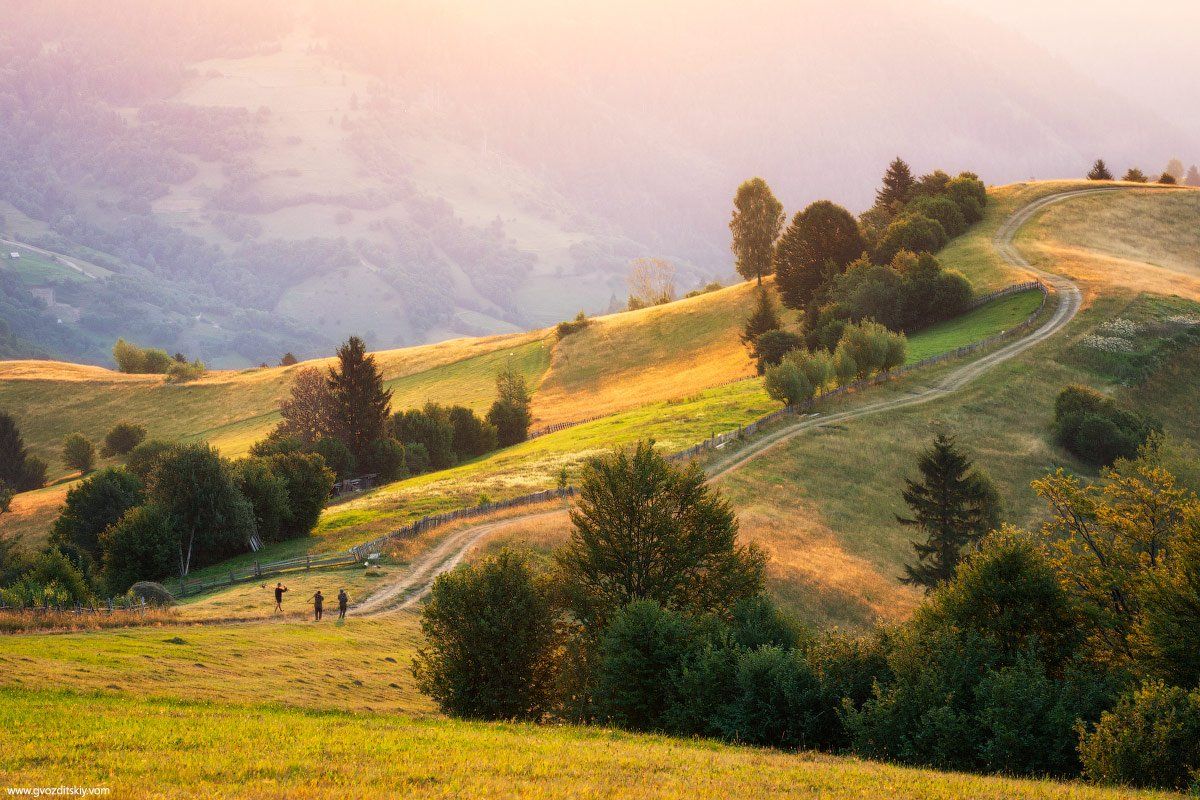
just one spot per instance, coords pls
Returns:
(1134, 175)
(955, 506)
(360, 403)
(12, 453)
(510, 412)
(1193, 176)
(757, 220)
(898, 186)
(764, 318)
(1099, 171)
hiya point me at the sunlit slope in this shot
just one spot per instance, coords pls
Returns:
(824, 504)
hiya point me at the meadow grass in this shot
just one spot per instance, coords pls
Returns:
(175, 750)
(976, 325)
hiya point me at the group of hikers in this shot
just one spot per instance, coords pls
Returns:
(318, 601)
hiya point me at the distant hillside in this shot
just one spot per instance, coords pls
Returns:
(274, 179)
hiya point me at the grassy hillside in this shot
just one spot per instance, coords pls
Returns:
(824, 503)
(188, 749)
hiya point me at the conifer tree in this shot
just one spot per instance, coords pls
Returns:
(1100, 171)
(1193, 176)
(757, 220)
(510, 412)
(1134, 175)
(359, 401)
(953, 504)
(898, 186)
(14, 457)
(765, 317)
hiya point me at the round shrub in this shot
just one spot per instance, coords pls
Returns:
(1151, 739)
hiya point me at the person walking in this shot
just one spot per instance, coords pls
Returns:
(279, 590)
(343, 601)
(318, 601)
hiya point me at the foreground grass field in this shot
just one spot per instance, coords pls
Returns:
(182, 750)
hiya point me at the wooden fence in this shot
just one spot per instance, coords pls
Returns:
(137, 604)
(182, 587)
(483, 509)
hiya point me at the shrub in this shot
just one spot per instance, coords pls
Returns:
(79, 453)
(642, 645)
(565, 329)
(942, 209)
(142, 545)
(183, 371)
(288, 360)
(786, 383)
(122, 438)
(1151, 738)
(969, 193)
(387, 459)
(472, 436)
(145, 457)
(267, 493)
(51, 580)
(913, 232)
(490, 641)
(141, 361)
(93, 505)
(337, 457)
(769, 348)
(308, 483)
(1135, 175)
(1094, 428)
(431, 429)
(776, 700)
(1167, 179)
(872, 347)
(416, 458)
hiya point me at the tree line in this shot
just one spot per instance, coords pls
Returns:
(1061, 652)
(1172, 175)
(843, 274)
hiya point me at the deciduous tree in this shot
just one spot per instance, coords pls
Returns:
(822, 238)
(757, 220)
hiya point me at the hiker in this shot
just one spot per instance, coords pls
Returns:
(318, 601)
(343, 601)
(279, 590)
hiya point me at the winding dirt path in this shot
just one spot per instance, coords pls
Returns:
(418, 580)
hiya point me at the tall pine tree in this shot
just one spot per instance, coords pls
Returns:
(898, 186)
(1100, 171)
(757, 220)
(1193, 176)
(360, 403)
(765, 317)
(953, 504)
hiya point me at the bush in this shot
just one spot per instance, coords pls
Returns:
(79, 453)
(122, 438)
(913, 232)
(308, 483)
(872, 348)
(337, 457)
(183, 371)
(472, 436)
(786, 383)
(769, 348)
(1094, 428)
(141, 361)
(33, 474)
(92, 506)
(145, 457)
(1152, 739)
(777, 699)
(417, 458)
(51, 580)
(565, 329)
(942, 209)
(387, 459)
(969, 193)
(267, 493)
(642, 645)
(431, 429)
(490, 642)
(142, 545)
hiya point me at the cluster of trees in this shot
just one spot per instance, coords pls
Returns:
(169, 509)
(864, 349)
(1173, 174)
(344, 414)
(1064, 652)
(152, 361)
(1095, 428)
(839, 270)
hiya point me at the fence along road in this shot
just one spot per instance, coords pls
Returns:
(419, 578)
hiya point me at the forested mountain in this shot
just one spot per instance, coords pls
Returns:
(254, 179)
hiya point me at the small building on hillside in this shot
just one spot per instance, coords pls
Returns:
(14, 255)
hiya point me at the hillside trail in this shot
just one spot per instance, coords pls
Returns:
(416, 582)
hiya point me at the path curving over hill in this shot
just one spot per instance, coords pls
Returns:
(418, 579)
